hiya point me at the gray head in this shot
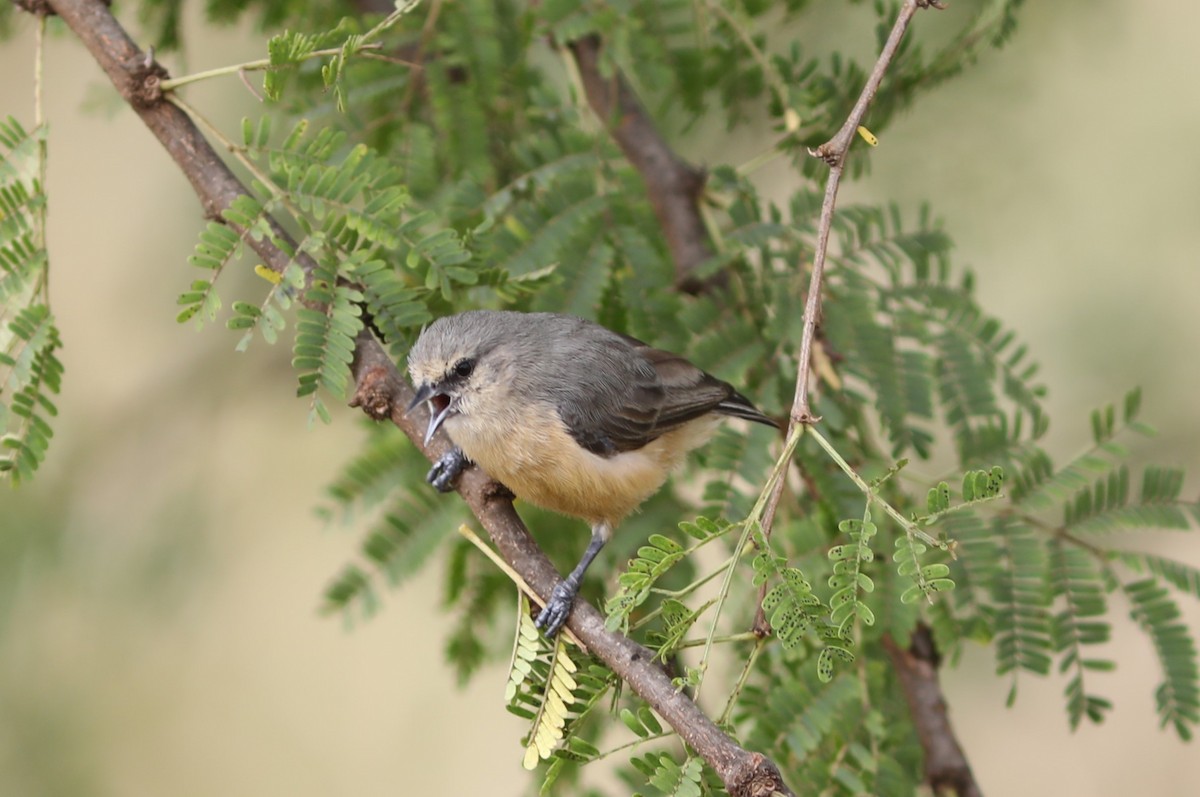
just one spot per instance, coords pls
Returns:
(467, 364)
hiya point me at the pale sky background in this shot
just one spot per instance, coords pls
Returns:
(159, 635)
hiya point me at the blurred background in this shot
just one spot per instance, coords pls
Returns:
(159, 579)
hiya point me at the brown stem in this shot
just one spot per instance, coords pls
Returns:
(673, 185)
(832, 152)
(946, 767)
(384, 394)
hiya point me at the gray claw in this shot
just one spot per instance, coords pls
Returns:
(447, 469)
(557, 609)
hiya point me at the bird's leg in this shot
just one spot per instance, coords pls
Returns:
(446, 470)
(562, 598)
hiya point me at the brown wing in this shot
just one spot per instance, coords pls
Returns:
(688, 392)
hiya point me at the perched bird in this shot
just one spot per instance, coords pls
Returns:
(567, 414)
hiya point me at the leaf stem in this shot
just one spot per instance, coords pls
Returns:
(469, 534)
(265, 63)
(774, 79)
(744, 636)
(246, 66)
(740, 684)
(634, 743)
(910, 528)
(682, 592)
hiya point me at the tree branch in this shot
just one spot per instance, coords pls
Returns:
(946, 767)
(673, 185)
(383, 393)
(833, 152)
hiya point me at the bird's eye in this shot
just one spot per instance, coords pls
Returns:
(463, 368)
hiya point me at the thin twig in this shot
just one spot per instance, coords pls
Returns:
(249, 86)
(946, 766)
(832, 152)
(427, 30)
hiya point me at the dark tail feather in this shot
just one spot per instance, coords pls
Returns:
(738, 406)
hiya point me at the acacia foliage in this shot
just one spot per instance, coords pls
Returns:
(464, 168)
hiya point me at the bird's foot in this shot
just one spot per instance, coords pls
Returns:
(447, 469)
(558, 608)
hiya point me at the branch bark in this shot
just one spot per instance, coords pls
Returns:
(946, 766)
(383, 393)
(673, 185)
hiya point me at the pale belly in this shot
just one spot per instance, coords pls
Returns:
(542, 464)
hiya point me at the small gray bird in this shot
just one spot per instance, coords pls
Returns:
(568, 415)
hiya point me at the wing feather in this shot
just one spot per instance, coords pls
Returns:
(638, 393)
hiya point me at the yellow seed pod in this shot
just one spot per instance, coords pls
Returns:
(273, 277)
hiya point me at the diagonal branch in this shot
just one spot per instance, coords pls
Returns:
(673, 185)
(833, 152)
(138, 78)
(384, 394)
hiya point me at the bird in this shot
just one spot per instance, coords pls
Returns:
(567, 414)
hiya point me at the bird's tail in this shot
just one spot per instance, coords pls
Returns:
(738, 406)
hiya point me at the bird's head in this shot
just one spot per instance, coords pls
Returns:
(457, 364)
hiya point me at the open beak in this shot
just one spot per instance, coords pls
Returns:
(441, 405)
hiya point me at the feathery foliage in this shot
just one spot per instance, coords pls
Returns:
(30, 371)
(1178, 696)
(450, 158)
(549, 688)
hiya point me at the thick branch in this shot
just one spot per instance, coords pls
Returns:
(384, 394)
(673, 185)
(946, 767)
